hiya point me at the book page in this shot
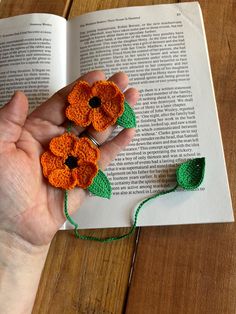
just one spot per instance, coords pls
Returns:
(163, 50)
(32, 56)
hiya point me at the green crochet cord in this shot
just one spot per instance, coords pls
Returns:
(110, 239)
(189, 176)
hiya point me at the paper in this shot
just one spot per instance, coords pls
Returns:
(163, 49)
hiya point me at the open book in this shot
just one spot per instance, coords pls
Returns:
(163, 50)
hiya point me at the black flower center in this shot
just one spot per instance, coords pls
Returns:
(95, 102)
(71, 162)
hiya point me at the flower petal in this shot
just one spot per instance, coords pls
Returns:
(85, 150)
(62, 145)
(100, 119)
(105, 90)
(115, 107)
(84, 174)
(62, 178)
(51, 162)
(79, 113)
(81, 91)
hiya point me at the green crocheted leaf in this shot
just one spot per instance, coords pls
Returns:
(190, 174)
(101, 186)
(128, 119)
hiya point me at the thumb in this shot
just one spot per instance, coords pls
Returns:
(12, 117)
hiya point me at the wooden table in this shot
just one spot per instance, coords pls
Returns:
(177, 269)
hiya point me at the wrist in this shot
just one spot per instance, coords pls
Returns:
(15, 244)
(21, 264)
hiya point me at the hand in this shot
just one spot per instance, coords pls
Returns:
(30, 208)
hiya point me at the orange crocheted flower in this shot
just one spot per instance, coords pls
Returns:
(70, 162)
(100, 104)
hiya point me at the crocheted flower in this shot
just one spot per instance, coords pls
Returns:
(70, 162)
(100, 104)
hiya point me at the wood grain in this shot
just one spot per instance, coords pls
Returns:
(85, 277)
(185, 269)
(11, 8)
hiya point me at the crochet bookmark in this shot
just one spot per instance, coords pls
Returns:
(99, 105)
(189, 176)
(72, 162)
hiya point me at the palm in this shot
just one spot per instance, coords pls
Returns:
(31, 207)
(31, 202)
